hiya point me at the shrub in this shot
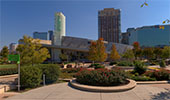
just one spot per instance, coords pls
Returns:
(161, 74)
(51, 72)
(71, 70)
(125, 63)
(66, 75)
(142, 78)
(101, 77)
(93, 65)
(112, 63)
(97, 66)
(162, 63)
(30, 76)
(139, 67)
(8, 71)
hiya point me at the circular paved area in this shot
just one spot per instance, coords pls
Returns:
(62, 91)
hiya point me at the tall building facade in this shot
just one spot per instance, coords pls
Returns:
(150, 36)
(125, 38)
(109, 27)
(59, 32)
(59, 28)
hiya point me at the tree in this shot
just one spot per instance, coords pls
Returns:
(128, 54)
(137, 50)
(31, 51)
(114, 55)
(4, 52)
(92, 56)
(97, 51)
(63, 57)
(102, 55)
(166, 52)
(157, 52)
(148, 53)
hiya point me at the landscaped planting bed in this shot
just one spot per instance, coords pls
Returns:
(101, 77)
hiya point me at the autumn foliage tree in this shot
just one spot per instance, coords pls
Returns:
(114, 55)
(137, 50)
(97, 51)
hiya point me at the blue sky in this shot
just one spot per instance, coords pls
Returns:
(23, 17)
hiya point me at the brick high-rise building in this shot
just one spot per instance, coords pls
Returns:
(109, 25)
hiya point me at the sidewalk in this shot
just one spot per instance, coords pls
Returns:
(63, 91)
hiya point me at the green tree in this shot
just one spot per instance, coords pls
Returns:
(148, 53)
(114, 55)
(166, 52)
(31, 51)
(129, 55)
(63, 57)
(4, 55)
(97, 51)
(4, 52)
(157, 52)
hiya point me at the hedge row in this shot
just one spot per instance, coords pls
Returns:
(8, 71)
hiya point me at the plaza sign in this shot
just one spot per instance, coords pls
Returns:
(14, 58)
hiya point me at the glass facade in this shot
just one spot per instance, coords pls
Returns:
(150, 36)
(41, 35)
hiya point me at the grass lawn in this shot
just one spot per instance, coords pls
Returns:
(8, 66)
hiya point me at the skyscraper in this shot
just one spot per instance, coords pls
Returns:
(59, 28)
(109, 25)
(59, 31)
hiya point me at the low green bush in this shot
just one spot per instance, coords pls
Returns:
(159, 75)
(139, 67)
(8, 71)
(112, 63)
(97, 66)
(31, 76)
(162, 64)
(66, 75)
(142, 78)
(51, 71)
(125, 63)
(71, 70)
(101, 77)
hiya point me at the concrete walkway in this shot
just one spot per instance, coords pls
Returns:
(63, 91)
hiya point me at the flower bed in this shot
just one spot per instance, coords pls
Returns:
(101, 77)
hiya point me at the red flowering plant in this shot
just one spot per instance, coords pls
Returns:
(161, 74)
(101, 77)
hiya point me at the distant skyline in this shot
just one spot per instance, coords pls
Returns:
(20, 18)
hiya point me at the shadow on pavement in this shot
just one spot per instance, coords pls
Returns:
(162, 95)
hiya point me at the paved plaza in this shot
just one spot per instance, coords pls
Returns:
(63, 91)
